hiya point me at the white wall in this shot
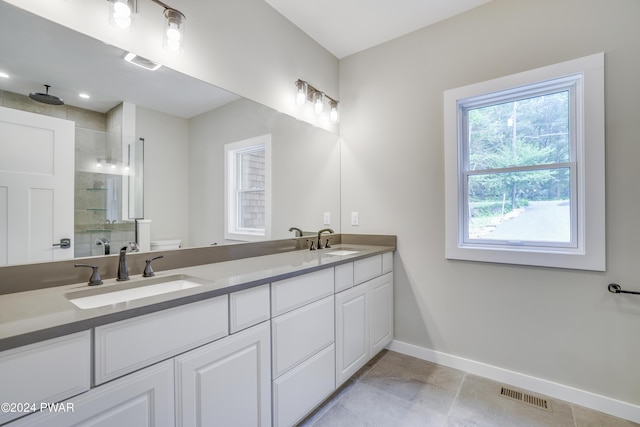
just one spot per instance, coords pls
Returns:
(554, 324)
(243, 46)
(166, 173)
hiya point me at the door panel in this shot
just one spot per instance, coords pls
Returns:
(36, 186)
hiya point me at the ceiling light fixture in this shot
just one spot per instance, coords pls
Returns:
(4, 75)
(305, 92)
(121, 16)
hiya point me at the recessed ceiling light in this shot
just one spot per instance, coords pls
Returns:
(84, 95)
(4, 75)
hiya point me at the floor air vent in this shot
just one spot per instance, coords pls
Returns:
(529, 399)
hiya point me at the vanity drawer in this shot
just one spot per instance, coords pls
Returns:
(344, 276)
(367, 269)
(301, 389)
(48, 371)
(248, 307)
(301, 333)
(131, 344)
(289, 294)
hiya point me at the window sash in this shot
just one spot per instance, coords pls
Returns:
(569, 83)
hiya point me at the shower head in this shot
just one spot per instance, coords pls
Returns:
(46, 98)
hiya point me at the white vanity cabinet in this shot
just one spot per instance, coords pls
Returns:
(302, 344)
(364, 315)
(227, 382)
(143, 398)
(44, 372)
(262, 356)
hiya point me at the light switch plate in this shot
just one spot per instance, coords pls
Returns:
(327, 218)
(354, 218)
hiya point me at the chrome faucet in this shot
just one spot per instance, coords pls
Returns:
(104, 242)
(123, 272)
(328, 230)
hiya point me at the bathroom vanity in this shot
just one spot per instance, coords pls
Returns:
(256, 341)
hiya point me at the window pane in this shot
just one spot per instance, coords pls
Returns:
(251, 169)
(529, 206)
(530, 131)
(251, 210)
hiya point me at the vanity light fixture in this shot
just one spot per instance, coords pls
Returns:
(121, 16)
(305, 92)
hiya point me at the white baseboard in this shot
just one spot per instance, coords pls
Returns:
(587, 399)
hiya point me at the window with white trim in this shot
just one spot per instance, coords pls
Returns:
(248, 189)
(524, 168)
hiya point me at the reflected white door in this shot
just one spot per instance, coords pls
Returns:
(36, 187)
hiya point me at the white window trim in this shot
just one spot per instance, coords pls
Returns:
(590, 251)
(231, 232)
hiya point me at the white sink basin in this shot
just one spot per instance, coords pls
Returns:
(117, 296)
(341, 253)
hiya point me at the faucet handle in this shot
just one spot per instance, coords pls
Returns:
(148, 271)
(313, 245)
(327, 245)
(95, 278)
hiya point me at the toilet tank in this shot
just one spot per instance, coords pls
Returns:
(163, 245)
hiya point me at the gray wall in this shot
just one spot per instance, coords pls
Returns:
(553, 324)
(305, 170)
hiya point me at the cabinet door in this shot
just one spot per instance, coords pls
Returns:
(381, 314)
(144, 398)
(226, 383)
(45, 372)
(352, 332)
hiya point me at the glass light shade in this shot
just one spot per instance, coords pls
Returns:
(301, 95)
(318, 104)
(174, 30)
(120, 13)
(333, 113)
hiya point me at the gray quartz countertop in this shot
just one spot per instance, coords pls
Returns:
(32, 316)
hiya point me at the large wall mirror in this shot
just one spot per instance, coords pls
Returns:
(177, 124)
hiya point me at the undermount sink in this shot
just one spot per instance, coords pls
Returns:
(94, 298)
(341, 252)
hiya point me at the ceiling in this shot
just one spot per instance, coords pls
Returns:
(345, 27)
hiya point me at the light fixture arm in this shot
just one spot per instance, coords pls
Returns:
(167, 7)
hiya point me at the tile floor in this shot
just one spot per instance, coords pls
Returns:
(401, 391)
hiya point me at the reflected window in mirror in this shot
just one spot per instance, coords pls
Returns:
(248, 189)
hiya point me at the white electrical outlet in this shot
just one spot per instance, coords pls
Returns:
(354, 218)
(327, 218)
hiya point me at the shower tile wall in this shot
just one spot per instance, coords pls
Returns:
(98, 194)
(97, 136)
